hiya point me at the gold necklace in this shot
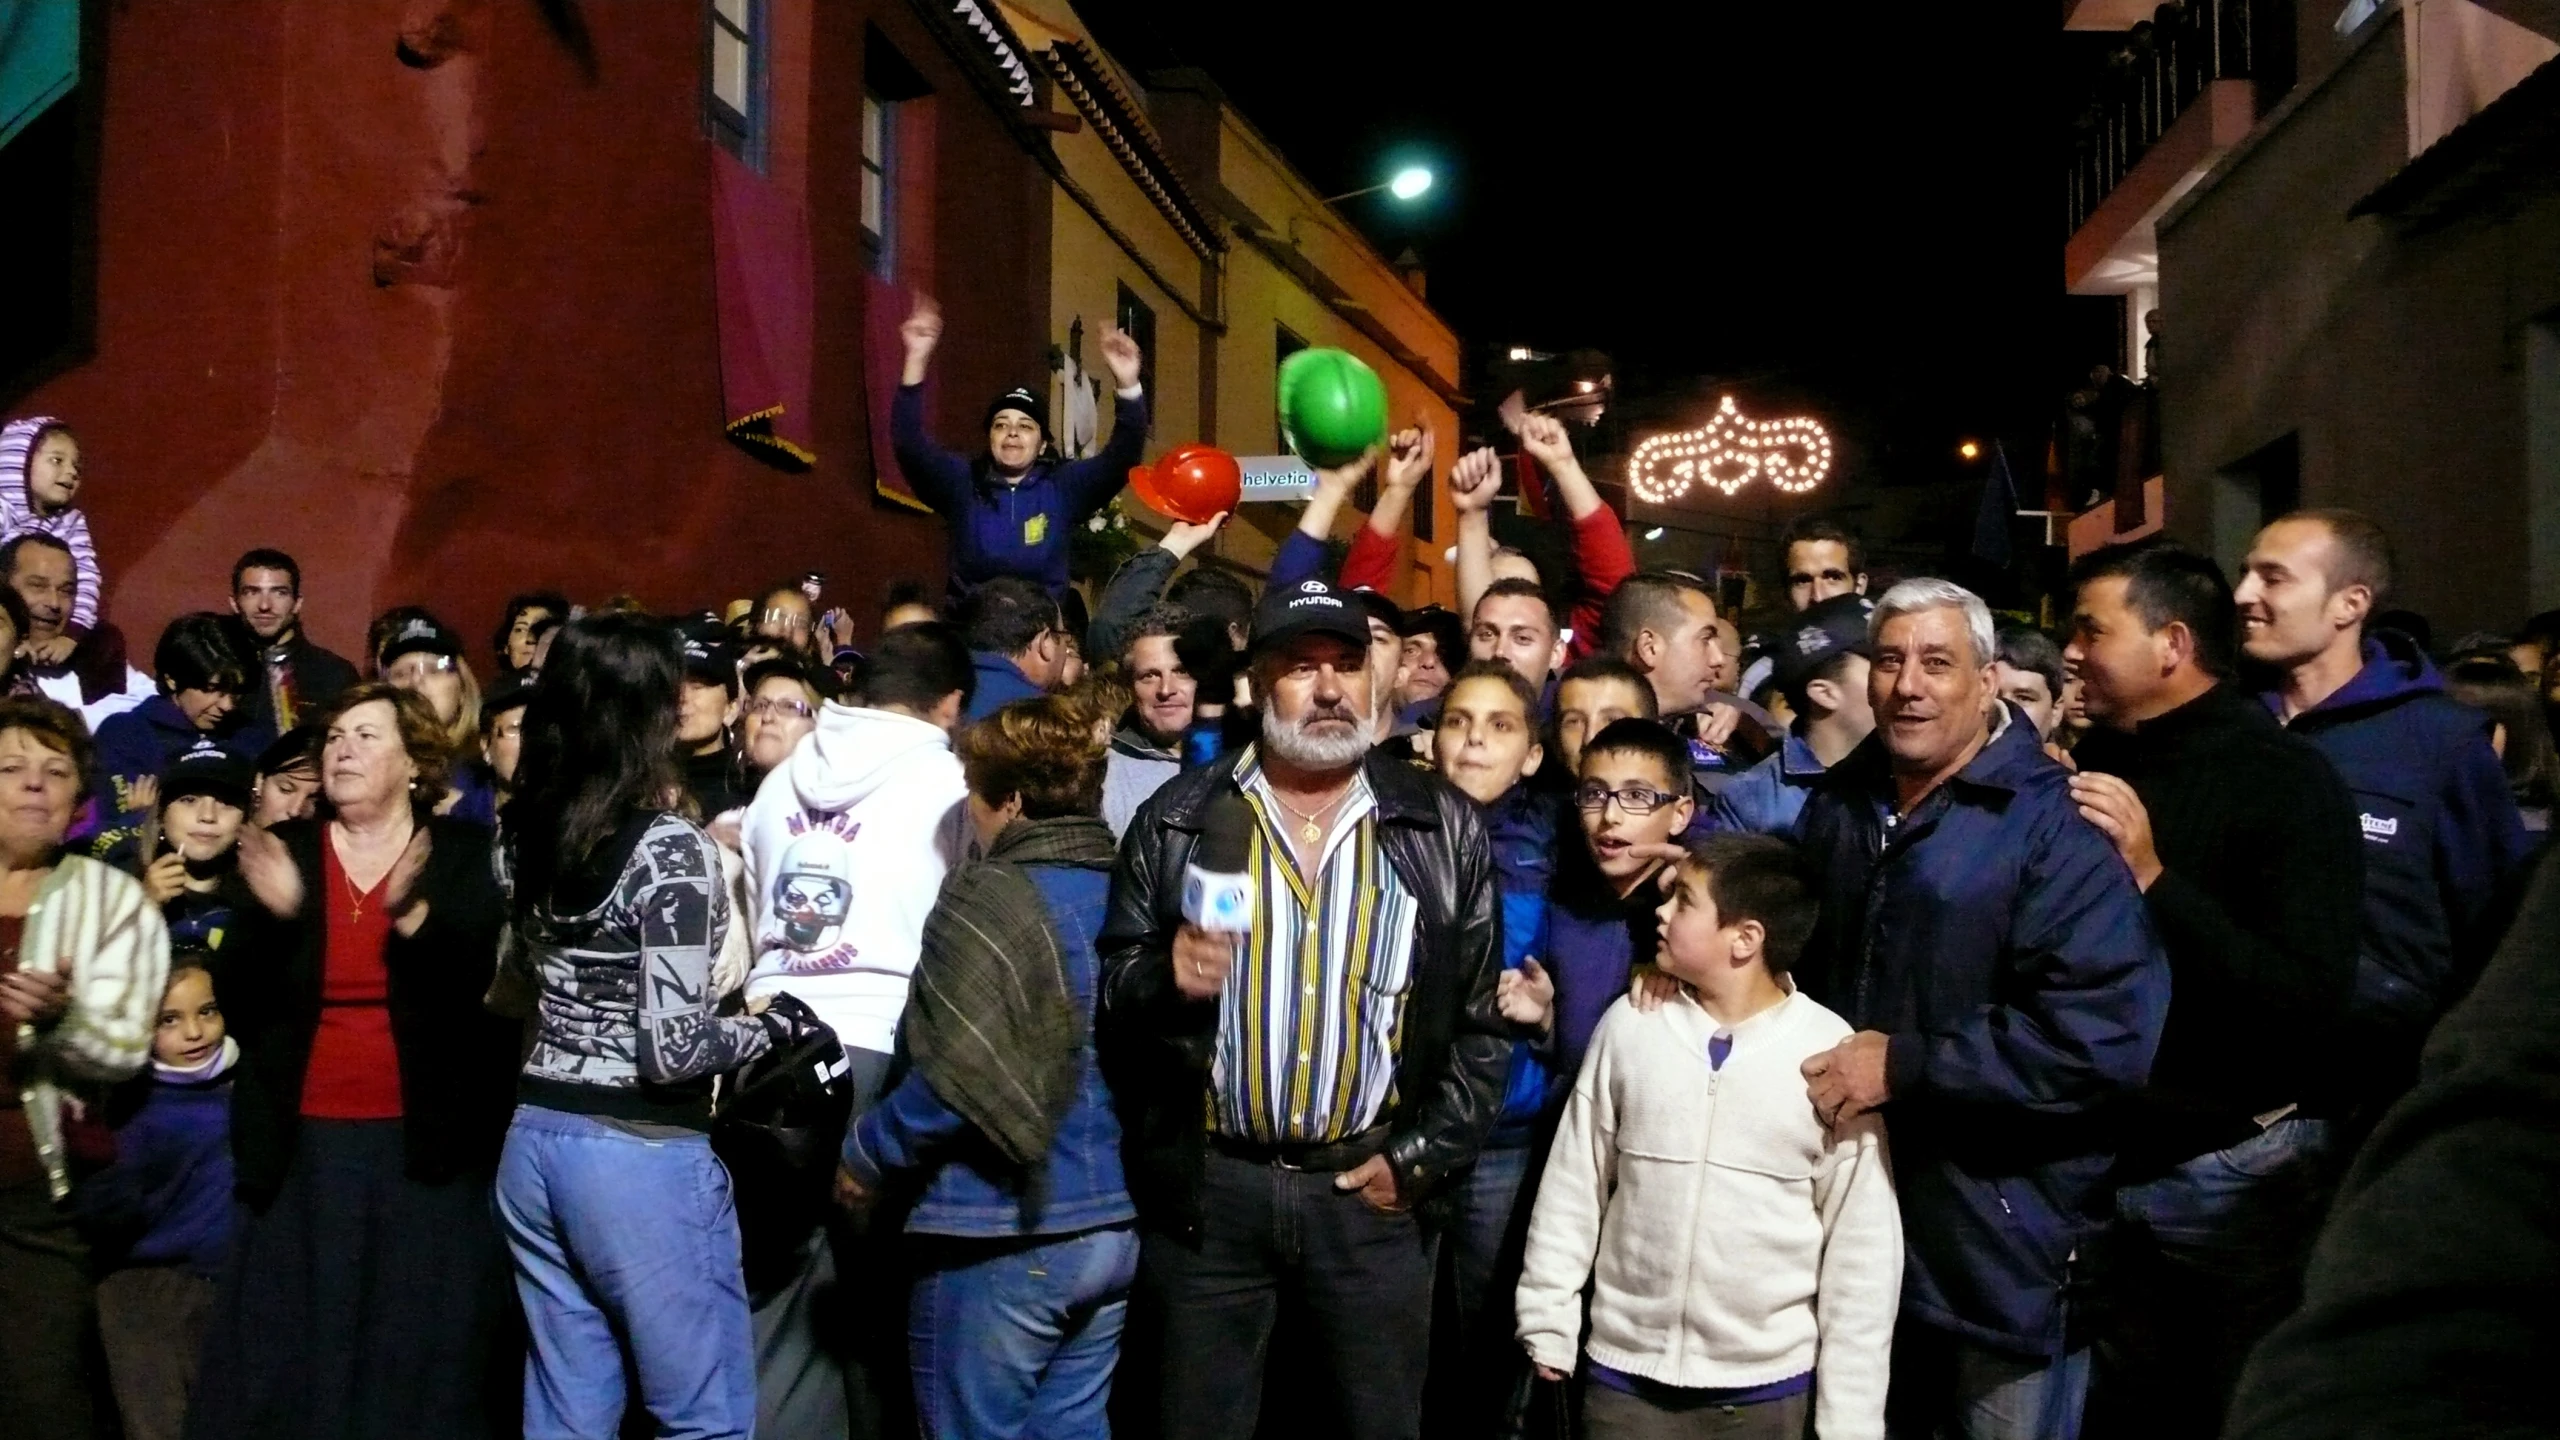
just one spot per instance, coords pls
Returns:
(1313, 830)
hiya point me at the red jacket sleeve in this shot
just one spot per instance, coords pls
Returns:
(1371, 561)
(1600, 552)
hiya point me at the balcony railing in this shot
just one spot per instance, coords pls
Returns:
(2165, 64)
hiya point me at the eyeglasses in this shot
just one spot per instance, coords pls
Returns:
(1635, 799)
(420, 660)
(795, 621)
(780, 709)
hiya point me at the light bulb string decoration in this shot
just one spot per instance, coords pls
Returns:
(1730, 451)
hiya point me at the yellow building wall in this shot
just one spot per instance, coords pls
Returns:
(1086, 270)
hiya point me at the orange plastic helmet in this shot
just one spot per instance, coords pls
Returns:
(1189, 483)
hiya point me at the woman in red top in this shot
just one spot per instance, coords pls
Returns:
(369, 1296)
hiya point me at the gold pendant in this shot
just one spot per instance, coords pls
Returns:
(1310, 833)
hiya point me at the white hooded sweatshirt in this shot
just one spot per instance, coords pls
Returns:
(846, 846)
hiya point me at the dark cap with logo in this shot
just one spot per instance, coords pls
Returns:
(1835, 627)
(710, 655)
(1310, 607)
(420, 633)
(207, 769)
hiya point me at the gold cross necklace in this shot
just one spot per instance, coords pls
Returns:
(1313, 830)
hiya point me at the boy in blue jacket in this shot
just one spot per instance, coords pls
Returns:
(159, 1218)
(1487, 745)
(1011, 510)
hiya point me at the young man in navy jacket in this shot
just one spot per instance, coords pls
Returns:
(2007, 987)
(1010, 511)
(2441, 833)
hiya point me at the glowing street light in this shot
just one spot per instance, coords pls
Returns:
(1407, 184)
(1969, 450)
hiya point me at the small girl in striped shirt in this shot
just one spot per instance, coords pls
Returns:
(39, 478)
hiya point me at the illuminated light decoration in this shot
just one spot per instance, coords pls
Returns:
(1728, 452)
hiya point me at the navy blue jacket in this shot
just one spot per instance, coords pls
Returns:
(1595, 939)
(1000, 683)
(2441, 831)
(167, 1199)
(1768, 798)
(2001, 943)
(999, 529)
(973, 1192)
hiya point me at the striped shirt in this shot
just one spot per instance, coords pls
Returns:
(1312, 1012)
(71, 527)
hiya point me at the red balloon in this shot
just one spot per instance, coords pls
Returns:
(1190, 483)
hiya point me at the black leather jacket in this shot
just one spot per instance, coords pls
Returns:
(1156, 1044)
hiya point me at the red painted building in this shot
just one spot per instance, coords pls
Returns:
(423, 291)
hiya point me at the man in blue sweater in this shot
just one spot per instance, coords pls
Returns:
(1011, 511)
(2441, 832)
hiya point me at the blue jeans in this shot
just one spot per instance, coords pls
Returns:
(1946, 1387)
(1484, 1381)
(2203, 1262)
(1018, 1338)
(624, 1241)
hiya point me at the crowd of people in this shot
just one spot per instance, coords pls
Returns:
(1241, 1005)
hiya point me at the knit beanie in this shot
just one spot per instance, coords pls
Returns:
(1019, 398)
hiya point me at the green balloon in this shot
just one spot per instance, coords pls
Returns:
(1332, 407)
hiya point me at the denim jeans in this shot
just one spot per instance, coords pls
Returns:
(1481, 1379)
(620, 1240)
(1947, 1387)
(1018, 1338)
(2203, 1262)
(1356, 1284)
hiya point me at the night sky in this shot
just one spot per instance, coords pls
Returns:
(1858, 204)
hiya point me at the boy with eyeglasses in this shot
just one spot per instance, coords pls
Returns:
(1633, 799)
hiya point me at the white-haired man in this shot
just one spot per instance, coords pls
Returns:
(1994, 954)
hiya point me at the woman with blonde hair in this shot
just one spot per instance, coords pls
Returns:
(414, 651)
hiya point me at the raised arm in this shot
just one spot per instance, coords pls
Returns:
(1600, 552)
(1473, 482)
(1089, 484)
(939, 477)
(1371, 563)
(1301, 554)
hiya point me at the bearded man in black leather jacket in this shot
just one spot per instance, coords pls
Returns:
(1290, 1094)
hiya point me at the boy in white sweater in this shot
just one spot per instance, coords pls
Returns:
(1744, 1262)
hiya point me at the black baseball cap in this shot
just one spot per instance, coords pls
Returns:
(710, 652)
(513, 693)
(1380, 608)
(1310, 607)
(1835, 627)
(420, 632)
(207, 769)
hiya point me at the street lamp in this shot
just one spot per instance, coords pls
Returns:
(1408, 184)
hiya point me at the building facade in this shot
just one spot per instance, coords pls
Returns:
(1171, 215)
(2347, 237)
(452, 298)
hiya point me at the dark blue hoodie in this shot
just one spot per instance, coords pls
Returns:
(2441, 830)
(1000, 529)
(140, 744)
